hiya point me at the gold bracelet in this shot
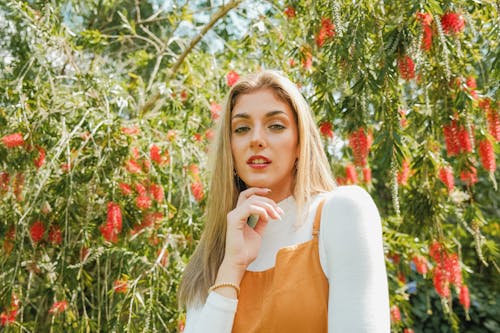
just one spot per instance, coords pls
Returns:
(225, 284)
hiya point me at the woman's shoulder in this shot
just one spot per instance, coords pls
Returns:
(348, 197)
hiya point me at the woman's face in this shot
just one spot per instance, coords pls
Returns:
(264, 142)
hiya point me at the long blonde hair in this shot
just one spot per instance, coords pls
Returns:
(313, 175)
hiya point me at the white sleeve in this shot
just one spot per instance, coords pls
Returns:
(351, 254)
(215, 316)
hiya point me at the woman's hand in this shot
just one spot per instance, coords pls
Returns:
(242, 241)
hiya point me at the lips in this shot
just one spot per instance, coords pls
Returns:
(258, 161)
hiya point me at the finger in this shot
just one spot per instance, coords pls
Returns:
(271, 206)
(252, 191)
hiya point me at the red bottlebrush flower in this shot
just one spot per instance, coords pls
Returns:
(113, 225)
(464, 297)
(406, 68)
(441, 282)
(132, 166)
(401, 277)
(307, 61)
(184, 95)
(4, 181)
(464, 140)
(13, 140)
(198, 137)
(154, 154)
(134, 130)
(215, 110)
(143, 202)
(58, 307)
(395, 314)
(197, 190)
(135, 152)
(425, 18)
(426, 38)
(194, 170)
(125, 188)
(494, 124)
(340, 180)
(367, 175)
(141, 189)
(452, 267)
(157, 192)
(360, 144)
(41, 157)
(451, 138)
(37, 230)
(446, 176)
(350, 174)
(471, 82)
(421, 264)
(408, 330)
(404, 174)
(326, 31)
(291, 62)
(120, 286)
(7, 318)
(289, 12)
(209, 134)
(436, 251)
(232, 77)
(469, 176)
(487, 155)
(396, 258)
(452, 23)
(326, 129)
(55, 235)
(66, 167)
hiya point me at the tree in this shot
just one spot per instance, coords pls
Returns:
(106, 115)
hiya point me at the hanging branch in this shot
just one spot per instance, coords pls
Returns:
(214, 19)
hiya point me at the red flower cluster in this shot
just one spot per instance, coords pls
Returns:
(41, 157)
(447, 270)
(487, 155)
(4, 181)
(307, 61)
(404, 174)
(367, 175)
(351, 177)
(452, 23)
(120, 286)
(464, 297)
(113, 225)
(215, 110)
(9, 316)
(37, 231)
(421, 264)
(289, 12)
(326, 129)
(446, 176)
(406, 68)
(457, 139)
(469, 176)
(132, 166)
(492, 117)
(395, 314)
(125, 188)
(13, 140)
(426, 20)
(55, 235)
(134, 130)
(326, 31)
(197, 190)
(58, 307)
(232, 77)
(360, 143)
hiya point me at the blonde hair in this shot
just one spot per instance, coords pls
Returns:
(313, 175)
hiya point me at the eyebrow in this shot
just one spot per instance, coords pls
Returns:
(247, 116)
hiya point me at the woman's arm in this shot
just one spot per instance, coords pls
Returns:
(216, 315)
(352, 257)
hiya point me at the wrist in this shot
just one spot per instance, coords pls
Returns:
(230, 272)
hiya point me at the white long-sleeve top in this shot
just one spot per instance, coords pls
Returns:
(351, 256)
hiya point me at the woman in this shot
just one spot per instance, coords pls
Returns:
(314, 260)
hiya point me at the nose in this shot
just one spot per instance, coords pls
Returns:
(258, 138)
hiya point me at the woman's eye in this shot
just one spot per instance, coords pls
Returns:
(241, 129)
(277, 127)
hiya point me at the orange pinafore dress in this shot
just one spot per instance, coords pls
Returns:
(290, 297)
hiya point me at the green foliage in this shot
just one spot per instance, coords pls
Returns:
(119, 93)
